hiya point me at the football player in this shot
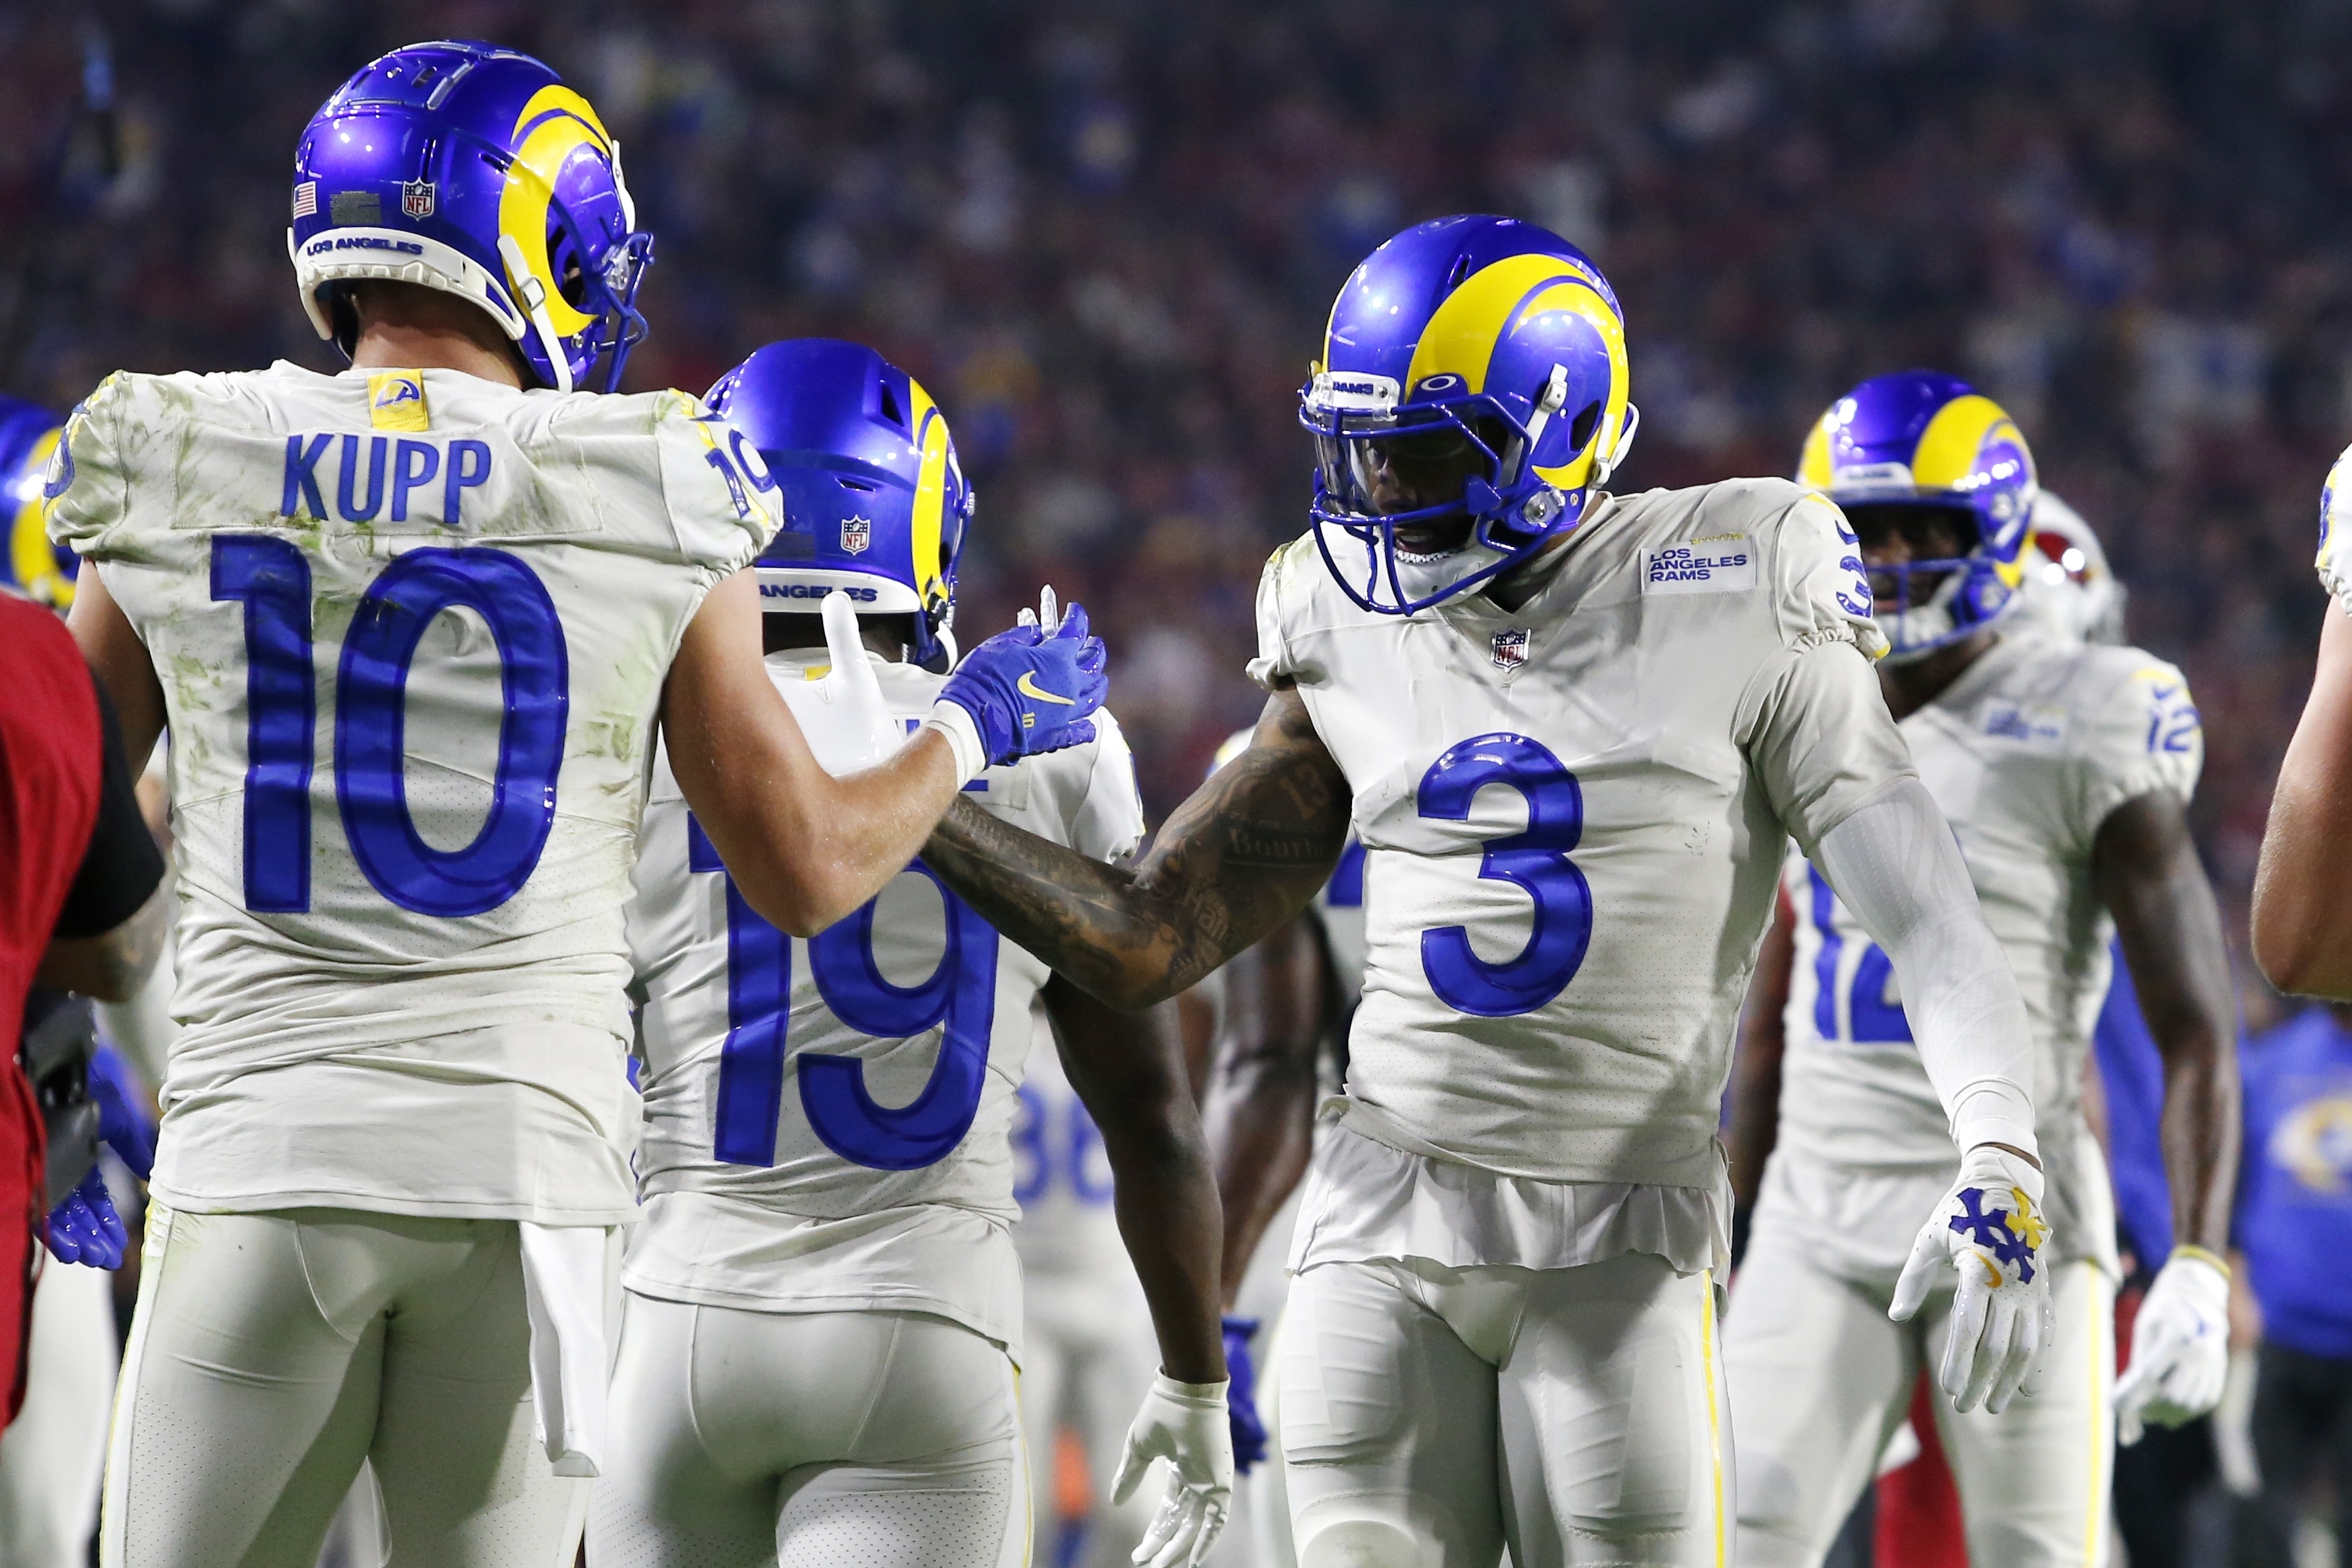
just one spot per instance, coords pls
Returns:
(29, 562)
(1088, 1350)
(51, 1455)
(1280, 1046)
(412, 626)
(2064, 769)
(2302, 921)
(824, 1305)
(1572, 730)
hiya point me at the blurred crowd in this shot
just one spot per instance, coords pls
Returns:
(1106, 234)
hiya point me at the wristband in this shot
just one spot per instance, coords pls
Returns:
(962, 736)
(2202, 1254)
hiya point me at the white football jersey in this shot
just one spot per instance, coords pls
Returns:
(829, 1120)
(1573, 816)
(2027, 754)
(412, 629)
(1061, 1177)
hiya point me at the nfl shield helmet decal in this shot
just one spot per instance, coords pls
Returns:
(1511, 647)
(857, 533)
(416, 199)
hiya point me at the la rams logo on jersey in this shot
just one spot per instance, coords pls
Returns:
(1724, 565)
(2316, 1144)
(1511, 647)
(396, 401)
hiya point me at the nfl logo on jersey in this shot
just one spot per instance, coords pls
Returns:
(857, 533)
(416, 199)
(1511, 647)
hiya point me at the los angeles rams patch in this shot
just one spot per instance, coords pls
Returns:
(2032, 723)
(1723, 564)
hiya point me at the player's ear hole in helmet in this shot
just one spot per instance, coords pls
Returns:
(874, 497)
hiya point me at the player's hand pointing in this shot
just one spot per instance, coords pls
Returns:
(1989, 1229)
(843, 716)
(1187, 1425)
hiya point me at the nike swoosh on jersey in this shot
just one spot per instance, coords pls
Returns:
(1028, 686)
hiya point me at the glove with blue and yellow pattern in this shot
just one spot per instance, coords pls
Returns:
(1989, 1229)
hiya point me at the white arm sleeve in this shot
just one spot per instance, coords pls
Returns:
(1895, 864)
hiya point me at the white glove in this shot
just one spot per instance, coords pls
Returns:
(1187, 1425)
(846, 723)
(2180, 1345)
(1047, 616)
(1990, 1228)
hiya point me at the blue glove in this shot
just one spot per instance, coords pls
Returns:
(1033, 689)
(84, 1229)
(124, 1122)
(1241, 1398)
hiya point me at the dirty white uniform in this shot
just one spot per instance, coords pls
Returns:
(2027, 753)
(1090, 1351)
(411, 629)
(1573, 815)
(823, 1310)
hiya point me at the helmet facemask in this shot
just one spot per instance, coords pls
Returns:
(1944, 590)
(1377, 465)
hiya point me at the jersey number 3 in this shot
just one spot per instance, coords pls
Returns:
(271, 578)
(1535, 860)
(960, 994)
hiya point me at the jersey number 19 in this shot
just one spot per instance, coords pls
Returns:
(960, 993)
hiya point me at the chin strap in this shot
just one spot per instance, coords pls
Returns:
(1625, 444)
(533, 294)
(1553, 398)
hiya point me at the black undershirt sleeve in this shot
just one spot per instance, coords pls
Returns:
(122, 864)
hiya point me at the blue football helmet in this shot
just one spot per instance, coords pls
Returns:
(874, 500)
(1919, 437)
(472, 169)
(1483, 342)
(29, 438)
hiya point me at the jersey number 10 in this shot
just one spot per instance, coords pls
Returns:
(960, 994)
(271, 578)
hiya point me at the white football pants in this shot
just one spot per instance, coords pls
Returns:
(1431, 1415)
(1820, 1380)
(869, 1439)
(1088, 1356)
(54, 1452)
(271, 1353)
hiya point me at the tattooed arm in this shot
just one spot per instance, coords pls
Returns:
(1245, 854)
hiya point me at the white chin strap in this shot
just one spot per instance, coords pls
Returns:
(533, 294)
(1610, 465)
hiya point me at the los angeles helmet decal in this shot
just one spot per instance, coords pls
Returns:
(465, 167)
